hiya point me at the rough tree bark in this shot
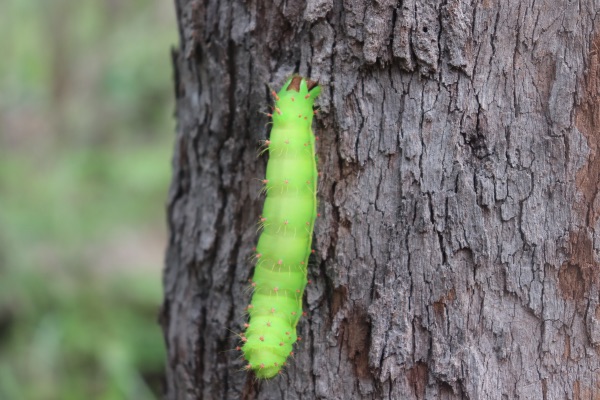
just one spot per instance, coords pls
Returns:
(457, 256)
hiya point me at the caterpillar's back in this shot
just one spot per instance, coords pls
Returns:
(288, 219)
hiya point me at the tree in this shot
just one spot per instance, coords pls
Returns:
(457, 253)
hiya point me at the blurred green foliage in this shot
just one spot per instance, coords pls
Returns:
(85, 141)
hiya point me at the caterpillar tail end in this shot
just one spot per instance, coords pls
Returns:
(265, 364)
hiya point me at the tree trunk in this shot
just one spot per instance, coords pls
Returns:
(457, 252)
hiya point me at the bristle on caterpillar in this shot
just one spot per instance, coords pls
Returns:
(286, 224)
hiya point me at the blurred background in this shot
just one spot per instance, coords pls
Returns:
(86, 131)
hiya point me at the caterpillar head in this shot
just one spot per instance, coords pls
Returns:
(294, 104)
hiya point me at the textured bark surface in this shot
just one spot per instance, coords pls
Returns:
(457, 253)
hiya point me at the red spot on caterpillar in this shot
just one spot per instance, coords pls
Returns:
(275, 364)
(297, 290)
(309, 282)
(248, 366)
(250, 306)
(262, 366)
(281, 343)
(299, 115)
(274, 94)
(269, 115)
(244, 339)
(312, 251)
(253, 249)
(286, 181)
(246, 325)
(287, 333)
(293, 99)
(307, 96)
(258, 255)
(276, 289)
(269, 324)
(316, 138)
(315, 112)
(307, 223)
(304, 314)
(253, 284)
(285, 222)
(291, 353)
(318, 214)
(278, 110)
(305, 118)
(272, 310)
(265, 181)
(238, 348)
(287, 141)
(267, 142)
(293, 312)
(261, 338)
(301, 262)
(299, 338)
(305, 144)
(279, 262)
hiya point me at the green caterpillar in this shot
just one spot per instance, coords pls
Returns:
(287, 220)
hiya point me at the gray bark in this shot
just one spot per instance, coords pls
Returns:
(457, 252)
